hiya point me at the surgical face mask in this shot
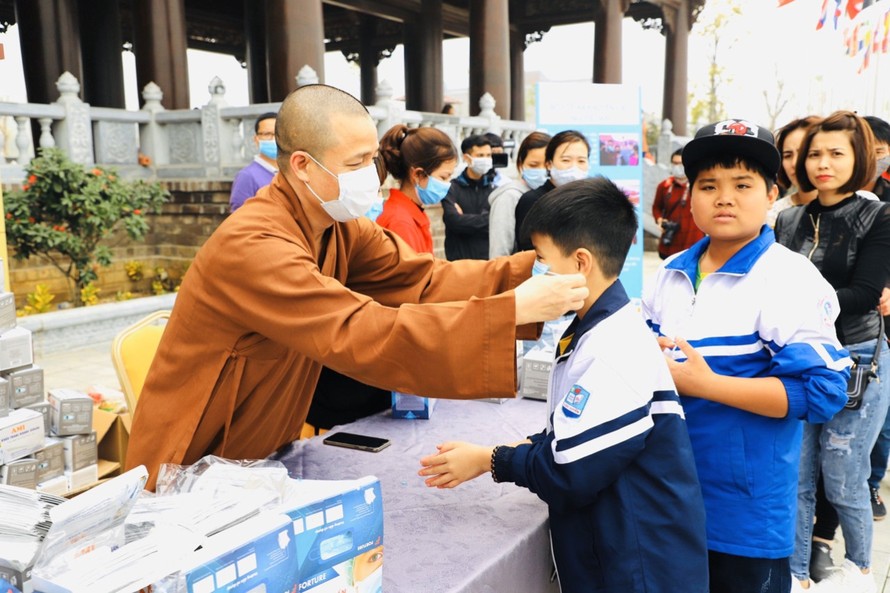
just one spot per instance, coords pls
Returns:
(269, 149)
(540, 269)
(883, 164)
(563, 176)
(434, 192)
(481, 165)
(678, 172)
(358, 191)
(373, 583)
(375, 210)
(535, 178)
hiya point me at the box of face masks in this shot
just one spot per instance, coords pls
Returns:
(412, 407)
(536, 365)
(339, 536)
(328, 539)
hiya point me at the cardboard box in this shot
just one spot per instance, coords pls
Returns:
(7, 311)
(44, 408)
(313, 546)
(20, 579)
(336, 532)
(25, 386)
(21, 473)
(411, 407)
(71, 412)
(259, 555)
(113, 436)
(50, 460)
(5, 403)
(21, 434)
(80, 451)
(82, 477)
(57, 486)
(15, 349)
(536, 365)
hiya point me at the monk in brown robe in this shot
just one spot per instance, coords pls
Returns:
(296, 278)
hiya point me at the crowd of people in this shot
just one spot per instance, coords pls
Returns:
(713, 441)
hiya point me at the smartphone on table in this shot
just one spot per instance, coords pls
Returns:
(356, 441)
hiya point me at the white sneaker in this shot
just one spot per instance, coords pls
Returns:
(848, 579)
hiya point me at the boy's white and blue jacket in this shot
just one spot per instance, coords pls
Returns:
(767, 312)
(615, 464)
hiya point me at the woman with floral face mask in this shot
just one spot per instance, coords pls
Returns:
(566, 159)
(503, 200)
(422, 160)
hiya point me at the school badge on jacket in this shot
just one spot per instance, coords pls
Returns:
(574, 401)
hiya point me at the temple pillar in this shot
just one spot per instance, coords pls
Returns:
(160, 47)
(423, 59)
(517, 76)
(294, 38)
(607, 41)
(490, 54)
(103, 70)
(255, 54)
(367, 60)
(50, 42)
(676, 60)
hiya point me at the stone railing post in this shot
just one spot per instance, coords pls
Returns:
(74, 133)
(216, 132)
(665, 143)
(153, 138)
(486, 109)
(395, 110)
(306, 75)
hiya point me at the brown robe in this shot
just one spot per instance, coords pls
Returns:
(280, 289)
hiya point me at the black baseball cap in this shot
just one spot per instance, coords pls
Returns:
(734, 136)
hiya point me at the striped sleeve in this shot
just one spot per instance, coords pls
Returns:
(599, 428)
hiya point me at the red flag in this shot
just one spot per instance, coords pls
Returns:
(784, 2)
(853, 8)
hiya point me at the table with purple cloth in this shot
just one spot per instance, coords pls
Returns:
(480, 537)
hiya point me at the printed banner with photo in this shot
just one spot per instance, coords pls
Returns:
(610, 117)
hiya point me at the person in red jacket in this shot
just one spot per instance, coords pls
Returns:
(672, 211)
(422, 160)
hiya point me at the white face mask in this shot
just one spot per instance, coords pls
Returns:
(481, 165)
(563, 176)
(373, 583)
(678, 172)
(359, 191)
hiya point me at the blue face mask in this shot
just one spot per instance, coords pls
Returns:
(434, 192)
(375, 210)
(539, 268)
(535, 178)
(269, 149)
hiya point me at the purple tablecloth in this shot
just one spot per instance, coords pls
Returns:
(480, 537)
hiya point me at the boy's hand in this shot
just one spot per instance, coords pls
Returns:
(455, 463)
(546, 297)
(691, 376)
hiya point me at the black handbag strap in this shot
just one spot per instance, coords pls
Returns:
(881, 338)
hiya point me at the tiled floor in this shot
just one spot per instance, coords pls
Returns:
(82, 367)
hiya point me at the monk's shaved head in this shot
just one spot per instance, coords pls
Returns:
(304, 120)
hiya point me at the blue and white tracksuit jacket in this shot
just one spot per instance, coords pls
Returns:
(615, 465)
(767, 312)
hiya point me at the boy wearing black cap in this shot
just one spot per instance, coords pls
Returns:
(748, 328)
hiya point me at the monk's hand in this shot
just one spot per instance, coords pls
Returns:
(455, 463)
(691, 376)
(549, 296)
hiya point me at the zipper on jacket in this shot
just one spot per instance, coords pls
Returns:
(815, 224)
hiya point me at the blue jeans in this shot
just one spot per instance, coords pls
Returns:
(839, 450)
(738, 574)
(880, 455)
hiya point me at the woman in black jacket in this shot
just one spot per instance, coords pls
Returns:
(847, 237)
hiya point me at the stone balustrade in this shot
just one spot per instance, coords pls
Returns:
(211, 142)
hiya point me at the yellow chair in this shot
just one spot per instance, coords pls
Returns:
(133, 350)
